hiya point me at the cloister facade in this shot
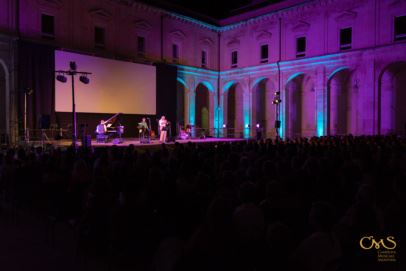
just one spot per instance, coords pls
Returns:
(339, 66)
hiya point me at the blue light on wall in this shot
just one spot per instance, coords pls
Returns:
(192, 107)
(320, 123)
(207, 85)
(228, 85)
(183, 82)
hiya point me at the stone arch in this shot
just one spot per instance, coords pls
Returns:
(233, 106)
(262, 110)
(339, 100)
(293, 105)
(208, 85)
(181, 102)
(4, 102)
(202, 106)
(392, 99)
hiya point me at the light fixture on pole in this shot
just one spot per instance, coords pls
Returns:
(277, 102)
(27, 92)
(61, 77)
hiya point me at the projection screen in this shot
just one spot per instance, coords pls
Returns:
(115, 86)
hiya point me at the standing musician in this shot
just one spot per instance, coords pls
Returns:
(143, 128)
(163, 129)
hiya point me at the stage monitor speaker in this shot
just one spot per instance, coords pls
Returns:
(117, 141)
(277, 124)
(145, 140)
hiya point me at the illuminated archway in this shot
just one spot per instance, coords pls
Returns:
(233, 109)
(392, 99)
(181, 89)
(339, 101)
(4, 105)
(263, 111)
(202, 113)
(293, 106)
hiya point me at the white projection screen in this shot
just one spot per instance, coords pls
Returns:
(115, 86)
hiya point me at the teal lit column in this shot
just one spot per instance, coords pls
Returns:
(246, 112)
(320, 88)
(320, 112)
(212, 113)
(222, 114)
(192, 106)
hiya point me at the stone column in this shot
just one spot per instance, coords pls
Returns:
(387, 108)
(186, 117)
(246, 111)
(333, 106)
(192, 105)
(223, 113)
(212, 111)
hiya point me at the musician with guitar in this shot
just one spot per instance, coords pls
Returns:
(163, 129)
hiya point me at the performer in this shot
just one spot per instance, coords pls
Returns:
(163, 129)
(101, 132)
(143, 128)
(189, 130)
(143, 125)
(101, 129)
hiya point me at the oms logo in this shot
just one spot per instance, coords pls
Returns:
(369, 242)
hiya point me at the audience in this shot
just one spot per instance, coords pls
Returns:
(253, 205)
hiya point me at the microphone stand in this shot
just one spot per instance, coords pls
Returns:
(150, 129)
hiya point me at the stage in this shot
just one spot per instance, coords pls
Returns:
(63, 143)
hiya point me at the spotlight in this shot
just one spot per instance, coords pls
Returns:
(84, 79)
(72, 65)
(61, 78)
(29, 91)
(224, 125)
(277, 93)
(247, 126)
(257, 125)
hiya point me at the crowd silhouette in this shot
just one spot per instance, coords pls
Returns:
(253, 205)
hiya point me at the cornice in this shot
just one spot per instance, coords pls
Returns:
(301, 11)
(100, 14)
(54, 4)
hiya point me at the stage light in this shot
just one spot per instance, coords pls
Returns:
(224, 125)
(29, 91)
(84, 79)
(247, 126)
(257, 125)
(72, 66)
(72, 72)
(277, 93)
(61, 78)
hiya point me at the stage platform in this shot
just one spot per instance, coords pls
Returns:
(131, 141)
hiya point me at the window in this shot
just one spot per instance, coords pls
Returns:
(175, 53)
(99, 37)
(300, 47)
(264, 53)
(141, 46)
(234, 59)
(345, 38)
(47, 26)
(400, 28)
(204, 59)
